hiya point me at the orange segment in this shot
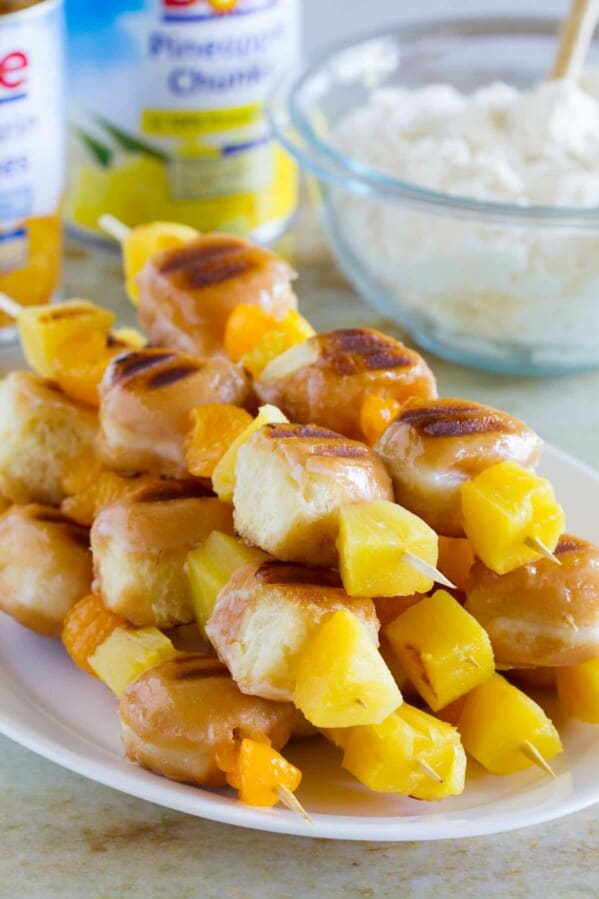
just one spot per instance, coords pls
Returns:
(79, 367)
(257, 772)
(246, 325)
(86, 627)
(214, 427)
(105, 488)
(376, 415)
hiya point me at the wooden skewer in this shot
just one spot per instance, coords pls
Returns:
(532, 753)
(472, 661)
(430, 772)
(10, 306)
(427, 570)
(536, 544)
(570, 622)
(114, 227)
(362, 703)
(290, 800)
(575, 36)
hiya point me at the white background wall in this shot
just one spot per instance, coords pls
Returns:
(335, 20)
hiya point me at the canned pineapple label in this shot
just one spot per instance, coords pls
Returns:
(189, 141)
(31, 127)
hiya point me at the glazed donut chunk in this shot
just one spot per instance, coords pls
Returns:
(264, 616)
(432, 447)
(145, 400)
(290, 481)
(187, 294)
(41, 431)
(45, 567)
(325, 380)
(541, 614)
(140, 546)
(179, 718)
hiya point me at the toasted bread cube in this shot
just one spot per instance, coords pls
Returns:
(41, 432)
(211, 565)
(444, 650)
(140, 546)
(125, 654)
(264, 617)
(290, 483)
(223, 475)
(45, 567)
(342, 680)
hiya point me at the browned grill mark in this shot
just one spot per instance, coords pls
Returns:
(204, 263)
(129, 364)
(281, 574)
(456, 420)
(171, 375)
(342, 450)
(217, 272)
(355, 350)
(171, 491)
(62, 312)
(567, 543)
(200, 251)
(291, 430)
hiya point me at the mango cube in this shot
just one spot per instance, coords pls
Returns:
(342, 679)
(443, 649)
(210, 566)
(223, 476)
(144, 242)
(288, 332)
(126, 654)
(44, 330)
(504, 506)
(410, 753)
(258, 772)
(499, 724)
(578, 690)
(373, 538)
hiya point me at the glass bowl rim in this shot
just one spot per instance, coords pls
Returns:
(321, 158)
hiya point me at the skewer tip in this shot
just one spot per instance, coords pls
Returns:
(291, 801)
(533, 754)
(536, 544)
(427, 570)
(430, 772)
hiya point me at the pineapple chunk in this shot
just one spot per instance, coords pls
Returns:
(443, 649)
(504, 506)
(144, 242)
(44, 330)
(210, 566)
(578, 689)
(372, 540)
(290, 331)
(223, 476)
(126, 654)
(342, 679)
(393, 756)
(499, 723)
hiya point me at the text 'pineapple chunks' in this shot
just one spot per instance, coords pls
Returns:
(373, 538)
(578, 689)
(499, 724)
(342, 679)
(44, 330)
(223, 476)
(410, 753)
(210, 566)
(288, 332)
(443, 649)
(144, 242)
(503, 507)
(126, 654)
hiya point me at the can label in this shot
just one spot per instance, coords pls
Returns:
(31, 126)
(175, 127)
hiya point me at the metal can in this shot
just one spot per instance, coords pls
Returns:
(167, 113)
(32, 141)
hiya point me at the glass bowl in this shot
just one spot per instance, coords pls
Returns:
(499, 286)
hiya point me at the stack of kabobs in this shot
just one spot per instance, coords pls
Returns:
(297, 498)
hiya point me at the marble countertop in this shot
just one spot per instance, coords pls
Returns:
(64, 836)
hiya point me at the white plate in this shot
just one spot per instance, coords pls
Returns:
(52, 708)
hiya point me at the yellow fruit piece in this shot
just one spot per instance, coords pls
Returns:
(145, 241)
(504, 506)
(246, 325)
(578, 689)
(376, 415)
(214, 427)
(342, 679)
(410, 753)
(223, 476)
(291, 330)
(373, 538)
(79, 367)
(258, 771)
(499, 724)
(210, 567)
(44, 330)
(443, 649)
(131, 337)
(81, 472)
(87, 625)
(126, 654)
